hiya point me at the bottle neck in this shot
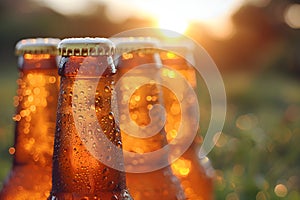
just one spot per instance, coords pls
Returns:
(85, 118)
(140, 102)
(36, 104)
(37, 62)
(86, 66)
(183, 72)
(181, 65)
(131, 60)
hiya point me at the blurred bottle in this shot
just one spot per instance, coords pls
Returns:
(134, 53)
(195, 173)
(85, 107)
(36, 103)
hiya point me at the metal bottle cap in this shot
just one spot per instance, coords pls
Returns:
(128, 44)
(37, 46)
(86, 47)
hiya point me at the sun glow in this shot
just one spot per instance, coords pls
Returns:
(167, 14)
(176, 16)
(180, 26)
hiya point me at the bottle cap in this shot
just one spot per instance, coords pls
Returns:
(37, 46)
(182, 48)
(86, 47)
(128, 44)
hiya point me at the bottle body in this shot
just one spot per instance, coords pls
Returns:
(77, 173)
(195, 174)
(36, 103)
(158, 183)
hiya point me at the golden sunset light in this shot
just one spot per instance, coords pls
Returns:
(167, 14)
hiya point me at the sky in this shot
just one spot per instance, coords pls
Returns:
(168, 14)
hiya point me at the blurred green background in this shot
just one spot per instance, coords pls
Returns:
(258, 154)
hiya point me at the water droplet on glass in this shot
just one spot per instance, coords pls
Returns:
(111, 115)
(107, 89)
(108, 158)
(92, 107)
(105, 170)
(119, 144)
(104, 178)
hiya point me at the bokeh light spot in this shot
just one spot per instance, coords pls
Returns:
(281, 190)
(292, 16)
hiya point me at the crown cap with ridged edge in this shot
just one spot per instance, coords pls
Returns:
(37, 46)
(179, 47)
(128, 44)
(86, 47)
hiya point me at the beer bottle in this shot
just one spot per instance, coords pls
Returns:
(133, 53)
(194, 173)
(82, 152)
(36, 103)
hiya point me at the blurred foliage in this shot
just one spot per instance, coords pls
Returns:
(258, 149)
(257, 156)
(8, 89)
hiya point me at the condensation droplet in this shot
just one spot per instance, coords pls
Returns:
(107, 89)
(92, 107)
(105, 170)
(149, 98)
(108, 158)
(111, 115)
(119, 144)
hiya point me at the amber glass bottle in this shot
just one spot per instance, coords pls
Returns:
(133, 53)
(85, 107)
(36, 103)
(195, 174)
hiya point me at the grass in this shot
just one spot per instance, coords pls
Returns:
(8, 87)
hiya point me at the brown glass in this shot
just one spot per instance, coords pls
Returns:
(36, 103)
(77, 174)
(195, 174)
(158, 184)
